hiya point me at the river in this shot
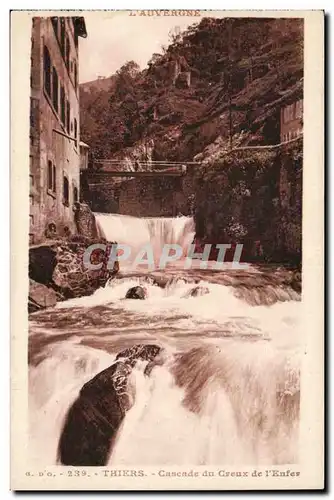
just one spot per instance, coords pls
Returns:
(227, 391)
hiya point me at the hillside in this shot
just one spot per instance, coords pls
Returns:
(241, 70)
(102, 83)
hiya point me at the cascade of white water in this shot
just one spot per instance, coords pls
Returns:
(156, 231)
(228, 392)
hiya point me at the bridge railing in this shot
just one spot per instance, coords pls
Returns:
(129, 168)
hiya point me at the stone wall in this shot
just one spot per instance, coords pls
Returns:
(157, 196)
(253, 198)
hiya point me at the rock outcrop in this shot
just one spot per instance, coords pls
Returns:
(71, 276)
(94, 418)
(59, 264)
(85, 221)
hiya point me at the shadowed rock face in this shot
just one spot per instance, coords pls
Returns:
(94, 418)
(42, 262)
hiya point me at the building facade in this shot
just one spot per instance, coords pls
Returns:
(84, 158)
(54, 124)
(292, 121)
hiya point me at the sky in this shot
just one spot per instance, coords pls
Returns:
(115, 38)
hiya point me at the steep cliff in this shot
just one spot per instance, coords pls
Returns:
(240, 70)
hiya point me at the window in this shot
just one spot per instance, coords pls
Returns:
(50, 184)
(68, 116)
(55, 25)
(75, 194)
(75, 75)
(33, 105)
(47, 71)
(65, 191)
(62, 105)
(76, 131)
(55, 89)
(62, 36)
(51, 177)
(67, 53)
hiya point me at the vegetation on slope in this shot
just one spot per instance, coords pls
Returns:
(241, 69)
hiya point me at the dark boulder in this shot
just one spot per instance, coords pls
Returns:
(296, 281)
(94, 418)
(197, 291)
(136, 292)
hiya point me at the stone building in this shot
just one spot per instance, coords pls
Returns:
(291, 120)
(54, 124)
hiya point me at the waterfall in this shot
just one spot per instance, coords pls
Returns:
(228, 391)
(137, 232)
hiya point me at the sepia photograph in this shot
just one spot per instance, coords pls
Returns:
(164, 248)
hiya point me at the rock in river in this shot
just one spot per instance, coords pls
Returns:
(197, 291)
(94, 418)
(136, 292)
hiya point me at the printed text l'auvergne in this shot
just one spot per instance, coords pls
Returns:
(162, 13)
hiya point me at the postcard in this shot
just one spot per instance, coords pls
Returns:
(167, 250)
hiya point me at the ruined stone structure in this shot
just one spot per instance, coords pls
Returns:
(54, 124)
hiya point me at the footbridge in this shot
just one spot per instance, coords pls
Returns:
(144, 188)
(107, 169)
